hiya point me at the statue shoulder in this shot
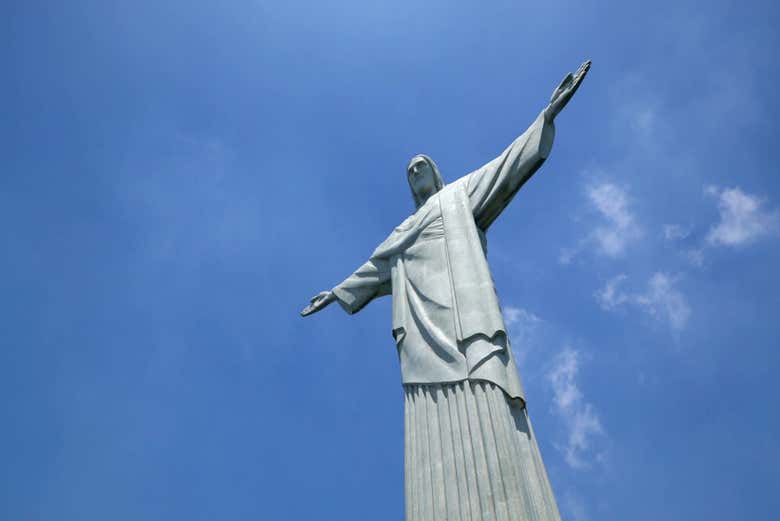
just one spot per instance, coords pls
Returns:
(405, 224)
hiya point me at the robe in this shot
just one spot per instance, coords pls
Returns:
(447, 321)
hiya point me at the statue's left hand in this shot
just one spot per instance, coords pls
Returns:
(565, 90)
(318, 301)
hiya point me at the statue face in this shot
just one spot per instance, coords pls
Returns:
(421, 178)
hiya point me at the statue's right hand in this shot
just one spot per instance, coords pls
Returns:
(318, 301)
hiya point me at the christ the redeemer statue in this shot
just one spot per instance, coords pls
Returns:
(471, 453)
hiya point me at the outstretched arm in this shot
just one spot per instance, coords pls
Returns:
(318, 302)
(371, 280)
(493, 186)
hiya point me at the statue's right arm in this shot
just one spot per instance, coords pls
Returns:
(371, 280)
(318, 302)
(368, 282)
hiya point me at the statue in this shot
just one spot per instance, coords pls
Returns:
(470, 451)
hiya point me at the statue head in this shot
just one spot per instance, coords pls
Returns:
(424, 178)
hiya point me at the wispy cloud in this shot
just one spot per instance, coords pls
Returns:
(574, 506)
(743, 218)
(616, 226)
(610, 296)
(664, 301)
(675, 232)
(523, 326)
(682, 239)
(519, 316)
(695, 256)
(620, 226)
(643, 119)
(582, 422)
(661, 299)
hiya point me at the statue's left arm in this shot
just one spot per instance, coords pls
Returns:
(493, 186)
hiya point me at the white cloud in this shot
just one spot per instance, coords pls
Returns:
(675, 232)
(523, 326)
(610, 296)
(616, 228)
(575, 507)
(664, 301)
(620, 227)
(519, 316)
(581, 420)
(643, 119)
(660, 300)
(742, 218)
(638, 114)
(568, 254)
(695, 256)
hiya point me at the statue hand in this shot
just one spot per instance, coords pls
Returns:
(565, 90)
(318, 302)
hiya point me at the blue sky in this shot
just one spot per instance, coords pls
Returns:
(179, 179)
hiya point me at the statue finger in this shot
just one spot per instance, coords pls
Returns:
(312, 308)
(562, 85)
(583, 70)
(579, 79)
(319, 296)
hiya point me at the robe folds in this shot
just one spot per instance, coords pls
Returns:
(447, 321)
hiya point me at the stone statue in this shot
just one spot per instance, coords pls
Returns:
(470, 451)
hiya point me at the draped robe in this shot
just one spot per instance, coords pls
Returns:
(447, 322)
